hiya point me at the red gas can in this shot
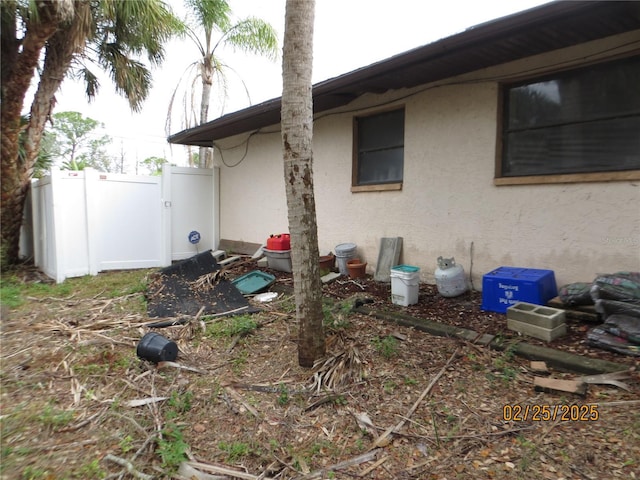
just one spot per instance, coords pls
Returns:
(279, 242)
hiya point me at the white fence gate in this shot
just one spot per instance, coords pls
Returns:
(191, 196)
(88, 221)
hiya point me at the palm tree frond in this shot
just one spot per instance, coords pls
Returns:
(253, 35)
(82, 28)
(210, 13)
(189, 33)
(142, 27)
(91, 82)
(185, 76)
(131, 77)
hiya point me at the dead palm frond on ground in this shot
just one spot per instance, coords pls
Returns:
(338, 370)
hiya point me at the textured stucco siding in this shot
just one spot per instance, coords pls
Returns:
(448, 200)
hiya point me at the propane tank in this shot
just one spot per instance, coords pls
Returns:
(450, 278)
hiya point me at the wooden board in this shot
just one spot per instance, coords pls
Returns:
(542, 384)
(538, 366)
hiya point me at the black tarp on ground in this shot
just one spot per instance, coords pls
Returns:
(173, 293)
(616, 297)
(599, 337)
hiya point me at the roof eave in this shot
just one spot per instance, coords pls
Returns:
(461, 47)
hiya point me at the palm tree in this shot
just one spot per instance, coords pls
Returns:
(45, 159)
(297, 135)
(61, 38)
(250, 35)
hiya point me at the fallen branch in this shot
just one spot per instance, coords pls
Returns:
(129, 466)
(188, 471)
(239, 398)
(234, 341)
(365, 457)
(111, 412)
(480, 435)
(84, 422)
(322, 401)
(362, 287)
(367, 471)
(186, 318)
(179, 366)
(618, 403)
(144, 401)
(227, 312)
(180, 320)
(224, 471)
(384, 439)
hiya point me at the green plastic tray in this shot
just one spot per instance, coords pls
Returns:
(253, 282)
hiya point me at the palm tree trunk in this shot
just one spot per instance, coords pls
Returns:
(18, 68)
(205, 155)
(59, 56)
(297, 135)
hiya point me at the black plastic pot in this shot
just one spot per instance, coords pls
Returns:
(156, 348)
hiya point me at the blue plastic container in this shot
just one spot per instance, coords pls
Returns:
(506, 286)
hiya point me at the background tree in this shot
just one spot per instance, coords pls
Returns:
(76, 144)
(297, 136)
(61, 38)
(96, 155)
(154, 165)
(250, 35)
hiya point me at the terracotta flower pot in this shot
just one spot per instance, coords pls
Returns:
(327, 262)
(357, 268)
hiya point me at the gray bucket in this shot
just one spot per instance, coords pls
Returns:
(344, 253)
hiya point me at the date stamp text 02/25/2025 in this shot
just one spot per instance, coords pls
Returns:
(543, 413)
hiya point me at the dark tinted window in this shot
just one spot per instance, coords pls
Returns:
(587, 120)
(380, 148)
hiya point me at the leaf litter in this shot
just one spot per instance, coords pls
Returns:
(78, 403)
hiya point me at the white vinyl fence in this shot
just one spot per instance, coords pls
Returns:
(87, 221)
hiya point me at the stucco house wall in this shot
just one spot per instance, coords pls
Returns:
(449, 204)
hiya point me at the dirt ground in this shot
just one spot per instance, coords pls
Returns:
(388, 402)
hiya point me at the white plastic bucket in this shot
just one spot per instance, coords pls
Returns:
(344, 253)
(405, 283)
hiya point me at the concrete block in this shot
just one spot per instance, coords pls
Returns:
(388, 257)
(219, 254)
(229, 260)
(541, 333)
(536, 315)
(329, 277)
(259, 253)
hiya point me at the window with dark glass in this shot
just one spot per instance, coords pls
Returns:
(379, 155)
(583, 121)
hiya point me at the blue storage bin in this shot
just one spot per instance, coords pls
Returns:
(506, 286)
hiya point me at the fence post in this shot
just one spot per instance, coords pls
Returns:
(215, 206)
(91, 199)
(36, 212)
(58, 224)
(165, 198)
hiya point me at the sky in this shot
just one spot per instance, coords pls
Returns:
(348, 34)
